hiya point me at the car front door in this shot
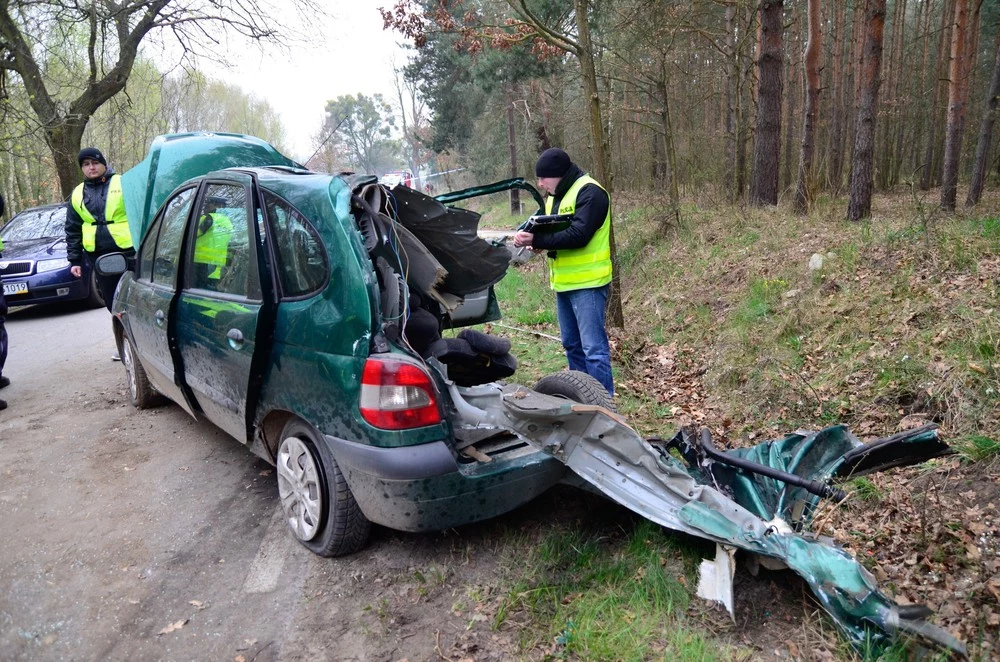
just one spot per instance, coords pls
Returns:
(148, 310)
(220, 301)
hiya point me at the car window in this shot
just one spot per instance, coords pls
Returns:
(49, 222)
(221, 260)
(168, 244)
(301, 255)
(148, 250)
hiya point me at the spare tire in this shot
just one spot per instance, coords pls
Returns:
(577, 386)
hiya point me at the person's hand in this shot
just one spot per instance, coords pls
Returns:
(76, 270)
(522, 238)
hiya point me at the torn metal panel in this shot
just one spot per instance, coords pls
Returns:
(715, 577)
(708, 498)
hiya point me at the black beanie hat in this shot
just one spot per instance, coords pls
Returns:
(552, 163)
(91, 153)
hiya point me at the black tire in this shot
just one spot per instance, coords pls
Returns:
(317, 502)
(94, 297)
(577, 386)
(142, 394)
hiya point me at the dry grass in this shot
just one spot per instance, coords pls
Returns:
(728, 327)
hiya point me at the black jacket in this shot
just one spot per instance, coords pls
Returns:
(95, 198)
(592, 204)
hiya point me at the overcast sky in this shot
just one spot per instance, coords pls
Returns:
(354, 54)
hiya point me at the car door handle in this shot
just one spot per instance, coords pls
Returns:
(235, 338)
(160, 317)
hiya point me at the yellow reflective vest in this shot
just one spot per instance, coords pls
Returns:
(579, 268)
(114, 216)
(211, 246)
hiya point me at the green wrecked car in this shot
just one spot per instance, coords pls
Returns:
(303, 313)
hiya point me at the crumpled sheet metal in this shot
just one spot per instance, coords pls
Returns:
(602, 448)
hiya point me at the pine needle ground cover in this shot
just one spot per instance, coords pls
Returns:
(754, 323)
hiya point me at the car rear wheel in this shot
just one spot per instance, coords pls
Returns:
(317, 502)
(142, 394)
(94, 298)
(577, 386)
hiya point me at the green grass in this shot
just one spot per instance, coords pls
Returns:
(865, 490)
(525, 298)
(977, 448)
(605, 600)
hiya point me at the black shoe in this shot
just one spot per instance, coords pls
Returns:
(4, 381)
(3, 404)
(116, 357)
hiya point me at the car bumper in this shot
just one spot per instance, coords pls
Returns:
(426, 488)
(46, 288)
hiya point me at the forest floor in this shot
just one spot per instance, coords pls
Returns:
(896, 324)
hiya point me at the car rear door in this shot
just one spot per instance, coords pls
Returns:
(220, 301)
(148, 307)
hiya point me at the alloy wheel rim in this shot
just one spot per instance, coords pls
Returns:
(299, 488)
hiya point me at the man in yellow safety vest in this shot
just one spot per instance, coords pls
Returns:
(579, 261)
(95, 219)
(96, 223)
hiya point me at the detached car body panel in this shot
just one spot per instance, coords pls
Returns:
(300, 306)
(34, 268)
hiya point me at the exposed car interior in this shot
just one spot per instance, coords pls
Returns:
(435, 272)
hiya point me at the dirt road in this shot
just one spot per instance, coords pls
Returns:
(141, 535)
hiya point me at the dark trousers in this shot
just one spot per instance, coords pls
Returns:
(108, 284)
(3, 331)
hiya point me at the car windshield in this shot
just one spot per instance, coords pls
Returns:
(48, 223)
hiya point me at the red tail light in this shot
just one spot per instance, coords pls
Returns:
(396, 395)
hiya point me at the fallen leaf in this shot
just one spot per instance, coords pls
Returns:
(173, 627)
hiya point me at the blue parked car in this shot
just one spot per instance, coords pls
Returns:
(34, 268)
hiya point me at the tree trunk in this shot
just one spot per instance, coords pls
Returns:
(789, 97)
(857, 57)
(930, 171)
(767, 134)
(860, 204)
(956, 106)
(919, 90)
(515, 198)
(602, 170)
(732, 71)
(616, 317)
(745, 93)
(902, 101)
(673, 189)
(985, 132)
(836, 168)
(812, 109)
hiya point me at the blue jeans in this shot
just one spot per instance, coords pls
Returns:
(581, 325)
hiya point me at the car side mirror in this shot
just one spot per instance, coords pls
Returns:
(112, 264)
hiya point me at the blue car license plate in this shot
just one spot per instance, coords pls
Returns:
(10, 289)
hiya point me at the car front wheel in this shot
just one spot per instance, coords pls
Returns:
(317, 502)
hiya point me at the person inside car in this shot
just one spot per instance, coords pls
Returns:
(211, 245)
